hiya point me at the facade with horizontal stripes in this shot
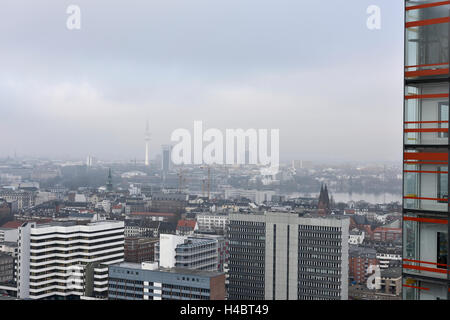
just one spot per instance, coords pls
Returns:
(67, 260)
(426, 272)
(148, 281)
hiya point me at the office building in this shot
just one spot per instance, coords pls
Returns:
(166, 163)
(196, 252)
(67, 260)
(147, 281)
(426, 150)
(285, 256)
(208, 221)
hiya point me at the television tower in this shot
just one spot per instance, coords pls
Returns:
(147, 140)
(109, 185)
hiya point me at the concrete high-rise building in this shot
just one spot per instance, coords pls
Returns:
(284, 256)
(67, 260)
(90, 161)
(426, 151)
(166, 163)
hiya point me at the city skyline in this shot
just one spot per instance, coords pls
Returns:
(88, 91)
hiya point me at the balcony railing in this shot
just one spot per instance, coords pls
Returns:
(426, 181)
(427, 35)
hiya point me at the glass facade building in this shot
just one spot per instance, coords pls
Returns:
(426, 151)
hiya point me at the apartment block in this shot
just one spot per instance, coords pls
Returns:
(360, 259)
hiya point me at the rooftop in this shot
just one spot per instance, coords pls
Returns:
(8, 243)
(76, 223)
(158, 214)
(183, 271)
(186, 224)
(16, 223)
(391, 272)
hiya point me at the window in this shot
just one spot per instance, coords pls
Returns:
(443, 116)
(443, 185)
(442, 241)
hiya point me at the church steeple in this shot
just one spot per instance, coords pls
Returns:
(324, 200)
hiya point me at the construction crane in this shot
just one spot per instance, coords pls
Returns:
(203, 187)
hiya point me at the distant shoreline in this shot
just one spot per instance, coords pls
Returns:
(373, 198)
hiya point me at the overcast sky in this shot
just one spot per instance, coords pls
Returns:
(309, 68)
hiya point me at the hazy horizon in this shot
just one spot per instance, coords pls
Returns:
(311, 69)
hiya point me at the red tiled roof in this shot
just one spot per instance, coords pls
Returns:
(12, 224)
(186, 223)
(16, 224)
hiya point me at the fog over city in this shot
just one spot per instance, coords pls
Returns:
(333, 89)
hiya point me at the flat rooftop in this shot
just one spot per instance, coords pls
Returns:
(8, 243)
(75, 223)
(184, 271)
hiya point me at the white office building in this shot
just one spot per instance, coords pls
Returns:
(212, 221)
(67, 260)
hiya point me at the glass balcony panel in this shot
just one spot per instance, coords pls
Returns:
(425, 10)
(414, 289)
(426, 187)
(426, 114)
(409, 290)
(427, 38)
(425, 247)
